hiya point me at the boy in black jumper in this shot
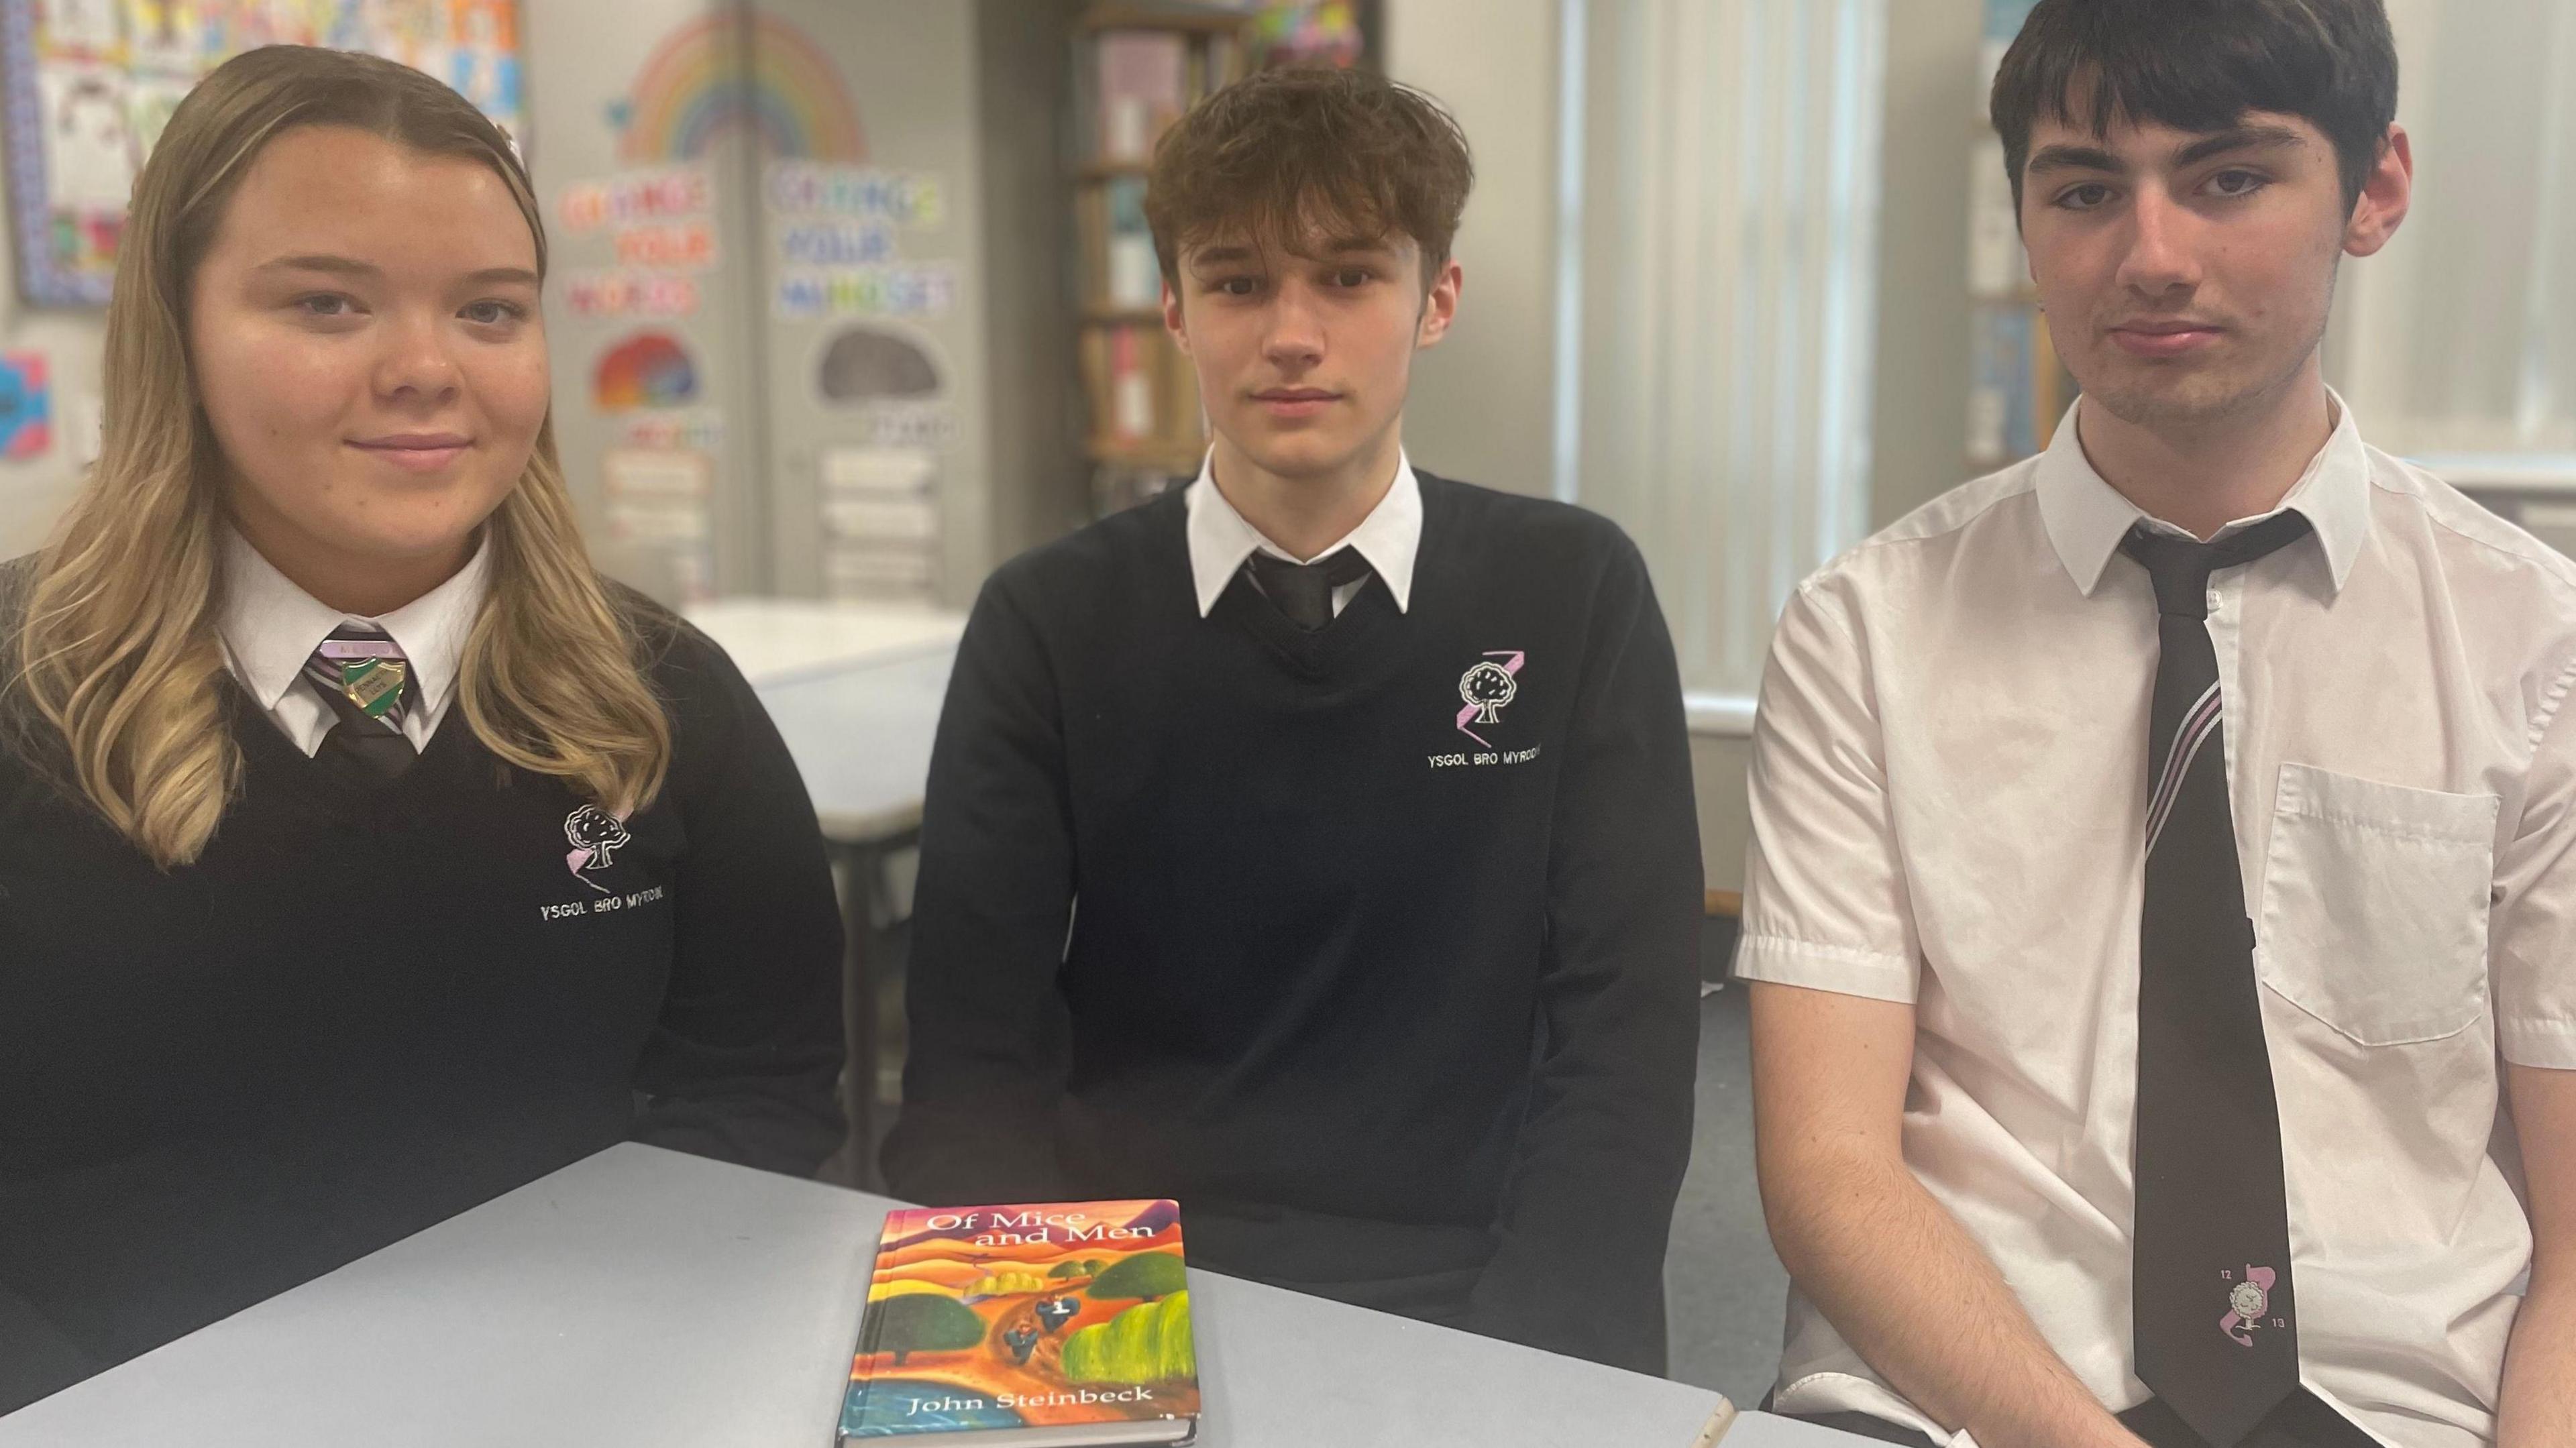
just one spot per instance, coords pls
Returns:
(1316, 845)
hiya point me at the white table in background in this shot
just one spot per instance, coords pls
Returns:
(644, 1299)
(780, 640)
(855, 690)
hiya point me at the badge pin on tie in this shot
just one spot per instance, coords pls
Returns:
(2248, 1303)
(373, 684)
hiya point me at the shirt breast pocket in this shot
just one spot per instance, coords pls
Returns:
(2375, 896)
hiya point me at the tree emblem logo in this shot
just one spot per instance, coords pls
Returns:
(1486, 687)
(595, 836)
(2249, 1301)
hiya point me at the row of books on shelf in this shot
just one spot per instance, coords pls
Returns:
(2018, 389)
(1145, 79)
(1119, 270)
(1143, 395)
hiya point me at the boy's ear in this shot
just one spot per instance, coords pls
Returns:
(1440, 304)
(1172, 322)
(2386, 193)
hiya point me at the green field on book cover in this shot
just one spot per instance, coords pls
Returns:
(984, 1318)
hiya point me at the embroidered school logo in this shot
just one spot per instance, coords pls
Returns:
(595, 836)
(2247, 1302)
(1486, 688)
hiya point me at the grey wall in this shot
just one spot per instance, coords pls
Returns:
(1480, 404)
(1041, 486)
(1919, 424)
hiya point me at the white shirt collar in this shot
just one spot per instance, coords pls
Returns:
(270, 626)
(1220, 539)
(2086, 517)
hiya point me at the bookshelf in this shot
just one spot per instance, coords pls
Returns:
(2018, 389)
(1137, 67)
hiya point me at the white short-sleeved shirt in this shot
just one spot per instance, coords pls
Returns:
(1949, 793)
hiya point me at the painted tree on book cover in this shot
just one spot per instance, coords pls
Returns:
(1147, 1344)
(1150, 1277)
(925, 1322)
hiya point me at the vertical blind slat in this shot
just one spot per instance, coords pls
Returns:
(1730, 233)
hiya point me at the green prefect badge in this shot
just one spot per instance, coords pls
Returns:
(374, 685)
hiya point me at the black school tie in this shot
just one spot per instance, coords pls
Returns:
(1304, 591)
(362, 674)
(2213, 1311)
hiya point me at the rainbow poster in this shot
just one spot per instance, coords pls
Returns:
(696, 86)
(648, 369)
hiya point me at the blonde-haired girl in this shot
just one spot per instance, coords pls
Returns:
(363, 854)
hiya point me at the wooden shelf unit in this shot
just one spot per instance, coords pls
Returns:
(1130, 370)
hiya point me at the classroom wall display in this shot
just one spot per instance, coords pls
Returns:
(788, 190)
(836, 247)
(662, 233)
(734, 70)
(691, 429)
(872, 305)
(89, 84)
(26, 407)
(880, 513)
(861, 365)
(645, 370)
(660, 499)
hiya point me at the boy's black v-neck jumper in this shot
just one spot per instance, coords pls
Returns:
(1375, 946)
(362, 1011)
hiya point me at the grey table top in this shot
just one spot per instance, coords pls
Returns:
(641, 1298)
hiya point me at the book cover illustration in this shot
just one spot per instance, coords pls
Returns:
(1024, 1316)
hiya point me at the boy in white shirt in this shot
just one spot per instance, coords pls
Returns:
(2160, 875)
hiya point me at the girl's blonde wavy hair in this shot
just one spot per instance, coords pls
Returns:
(116, 652)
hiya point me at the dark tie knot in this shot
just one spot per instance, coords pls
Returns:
(1304, 591)
(2180, 567)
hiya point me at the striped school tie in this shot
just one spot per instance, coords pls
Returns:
(363, 676)
(2213, 1307)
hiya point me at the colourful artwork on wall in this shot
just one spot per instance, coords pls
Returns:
(863, 364)
(26, 405)
(648, 369)
(1311, 32)
(696, 87)
(616, 293)
(90, 83)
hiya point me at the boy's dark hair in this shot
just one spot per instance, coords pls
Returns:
(2200, 65)
(1345, 151)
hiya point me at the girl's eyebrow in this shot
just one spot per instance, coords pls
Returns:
(352, 267)
(337, 265)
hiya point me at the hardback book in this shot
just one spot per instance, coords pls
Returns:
(1132, 377)
(1064, 1325)
(1144, 85)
